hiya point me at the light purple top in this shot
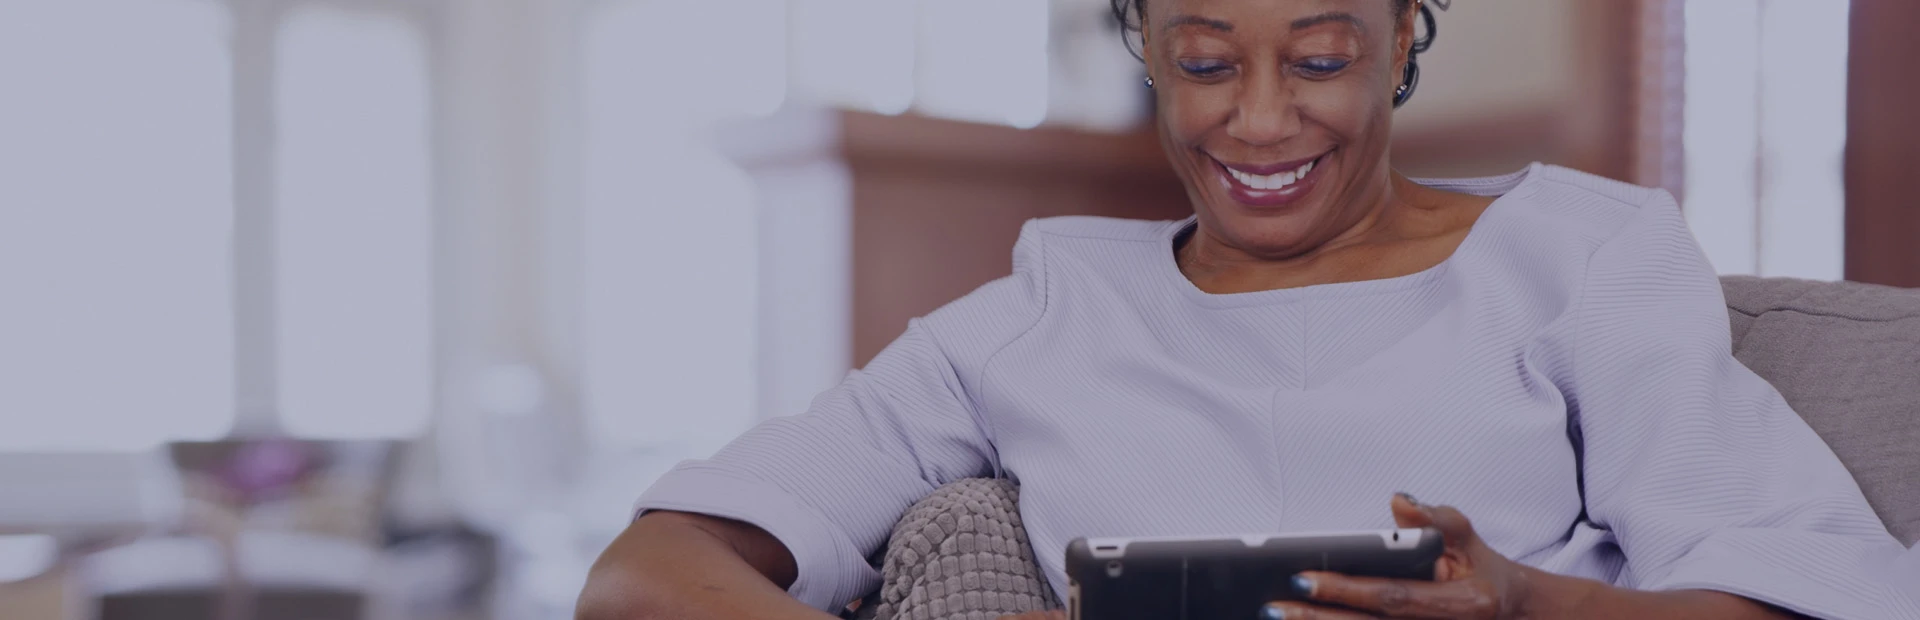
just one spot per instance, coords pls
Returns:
(1564, 378)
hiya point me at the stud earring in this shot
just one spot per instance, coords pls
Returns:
(1149, 81)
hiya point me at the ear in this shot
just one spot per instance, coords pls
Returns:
(1404, 24)
(1146, 43)
(1144, 33)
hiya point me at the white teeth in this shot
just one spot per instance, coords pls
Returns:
(1272, 181)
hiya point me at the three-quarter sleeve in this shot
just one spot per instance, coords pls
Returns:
(831, 482)
(1698, 468)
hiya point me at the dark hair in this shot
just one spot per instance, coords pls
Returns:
(1130, 14)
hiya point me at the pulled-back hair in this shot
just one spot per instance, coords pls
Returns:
(1130, 14)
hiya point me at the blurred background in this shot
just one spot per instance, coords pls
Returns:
(371, 309)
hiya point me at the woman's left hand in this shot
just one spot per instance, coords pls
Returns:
(1471, 580)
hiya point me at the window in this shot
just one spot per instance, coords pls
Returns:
(670, 235)
(1803, 138)
(984, 61)
(1765, 132)
(855, 53)
(116, 215)
(352, 226)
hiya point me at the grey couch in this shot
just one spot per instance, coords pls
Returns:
(1845, 355)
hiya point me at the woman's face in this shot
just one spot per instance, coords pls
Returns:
(1276, 113)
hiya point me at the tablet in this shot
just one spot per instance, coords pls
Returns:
(1229, 577)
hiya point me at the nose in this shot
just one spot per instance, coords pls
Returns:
(1266, 112)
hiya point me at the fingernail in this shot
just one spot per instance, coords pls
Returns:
(1303, 584)
(1273, 613)
(1409, 498)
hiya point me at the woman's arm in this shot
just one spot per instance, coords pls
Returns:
(1712, 488)
(798, 503)
(1548, 597)
(1695, 466)
(687, 566)
(802, 502)
(1474, 581)
(1573, 598)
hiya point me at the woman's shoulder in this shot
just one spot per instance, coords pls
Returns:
(980, 322)
(1620, 194)
(1596, 205)
(1557, 209)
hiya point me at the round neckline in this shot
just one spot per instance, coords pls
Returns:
(1515, 184)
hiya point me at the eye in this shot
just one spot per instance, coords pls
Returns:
(1203, 68)
(1322, 66)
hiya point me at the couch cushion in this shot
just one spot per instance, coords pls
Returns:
(961, 554)
(1846, 356)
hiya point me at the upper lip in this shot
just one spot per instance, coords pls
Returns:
(1266, 169)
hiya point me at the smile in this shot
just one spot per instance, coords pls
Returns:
(1270, 185)
(1272, 181)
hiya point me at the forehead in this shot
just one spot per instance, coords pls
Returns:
(1374, 14)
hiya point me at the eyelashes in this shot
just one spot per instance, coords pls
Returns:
(1316, 68)
(1320, 67)
(1203, 69)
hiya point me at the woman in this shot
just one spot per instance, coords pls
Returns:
(1545, 351)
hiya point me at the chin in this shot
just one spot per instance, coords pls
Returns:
(1263, 232)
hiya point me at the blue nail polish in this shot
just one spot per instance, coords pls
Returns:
(1273, 613)
(1303, 584)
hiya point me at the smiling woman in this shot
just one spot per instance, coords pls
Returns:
(1262, 106)
(1546, 351)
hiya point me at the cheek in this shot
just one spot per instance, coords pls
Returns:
(1347, 108)
(1189, 112)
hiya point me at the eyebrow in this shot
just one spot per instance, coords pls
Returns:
(1196, 20)
(1298, 24)
(1329, 18)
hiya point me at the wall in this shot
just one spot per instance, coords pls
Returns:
(1883, 144)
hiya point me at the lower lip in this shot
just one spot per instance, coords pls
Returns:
(1247, 195)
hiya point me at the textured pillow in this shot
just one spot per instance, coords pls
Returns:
(1847, 358)
(961, 554)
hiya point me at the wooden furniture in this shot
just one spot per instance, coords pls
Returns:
(1883, 144)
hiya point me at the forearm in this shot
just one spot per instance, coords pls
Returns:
(678, 567)
(1572, 598)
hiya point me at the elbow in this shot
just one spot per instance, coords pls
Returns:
(612, 593)
(597, 603)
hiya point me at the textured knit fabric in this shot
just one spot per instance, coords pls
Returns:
(1564, 379)
(961, 554)
(1847, 358)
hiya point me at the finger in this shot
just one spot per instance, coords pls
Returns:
(1303, 611)
(1407, 512)
(1452, 524)
(1399, 598)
